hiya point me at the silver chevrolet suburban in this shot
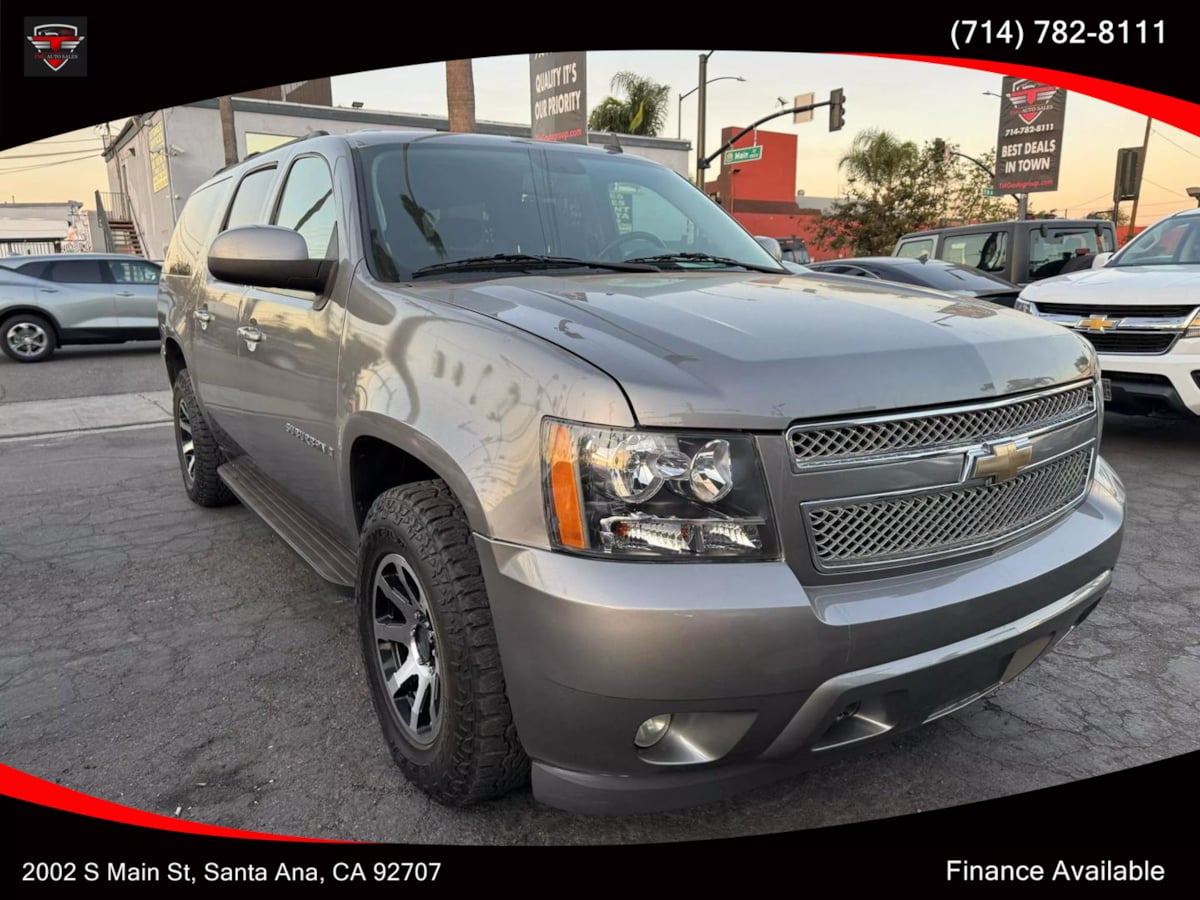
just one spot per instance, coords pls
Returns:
(624, 504)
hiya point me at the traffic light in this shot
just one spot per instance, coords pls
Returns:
(837, 109)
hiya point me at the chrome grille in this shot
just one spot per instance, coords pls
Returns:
(865, 439)
(911, 526)
(1147, 342)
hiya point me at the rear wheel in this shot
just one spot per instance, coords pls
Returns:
(430, 648)
(199, 455)
(27, 337)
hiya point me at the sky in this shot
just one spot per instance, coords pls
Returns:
(915, 101)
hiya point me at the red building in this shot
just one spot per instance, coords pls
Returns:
(761, 193)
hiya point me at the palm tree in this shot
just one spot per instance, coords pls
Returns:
(642, 111)
(880, 159)
(460, 94)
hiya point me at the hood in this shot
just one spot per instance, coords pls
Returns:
(1127, 285)
(756, 351)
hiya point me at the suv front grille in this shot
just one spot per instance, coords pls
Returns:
(863, 440)
(923, 525)
(1083, 310)
(1147, 342)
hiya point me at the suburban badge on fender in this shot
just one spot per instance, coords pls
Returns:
(308, 439)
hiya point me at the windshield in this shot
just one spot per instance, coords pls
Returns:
(1171, 241)
(431, 202)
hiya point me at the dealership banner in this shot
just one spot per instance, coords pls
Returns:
(1029, 146)
(558, 96)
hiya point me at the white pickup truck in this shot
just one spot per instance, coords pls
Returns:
(1140, 308)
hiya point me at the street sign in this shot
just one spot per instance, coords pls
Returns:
(1129, 174)
(803, 100)
(988, 192)
(743, 154)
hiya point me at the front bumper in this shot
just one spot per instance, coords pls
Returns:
(1169, 383)
(763, 676)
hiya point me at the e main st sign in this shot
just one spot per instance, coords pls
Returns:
(743, 154)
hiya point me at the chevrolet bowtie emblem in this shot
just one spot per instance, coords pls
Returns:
(1096, 323)
(1000, 461)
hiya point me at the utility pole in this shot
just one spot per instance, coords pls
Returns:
(460, 94)
(1141, 169)
(225, 105)
(701, 117)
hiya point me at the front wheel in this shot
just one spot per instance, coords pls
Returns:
(27, 337)
(430, 648)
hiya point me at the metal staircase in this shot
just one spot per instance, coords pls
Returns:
(117, 224)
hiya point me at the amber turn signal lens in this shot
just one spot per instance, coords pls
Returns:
(564, 490)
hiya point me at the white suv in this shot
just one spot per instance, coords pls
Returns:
(1140, 308)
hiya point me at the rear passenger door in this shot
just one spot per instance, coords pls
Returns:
(215, 346)
(288, 349)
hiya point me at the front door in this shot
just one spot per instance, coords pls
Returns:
(288, 345)
(135, 288)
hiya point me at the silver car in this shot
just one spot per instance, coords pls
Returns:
(628, 508)
(75, 298)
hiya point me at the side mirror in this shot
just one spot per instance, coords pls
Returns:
(771, 246)
(267, 256)
(1101, 259)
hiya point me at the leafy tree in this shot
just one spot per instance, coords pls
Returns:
(965, 197)
(641, 110)
(893, 189)
(1122, 216)
(896, 186)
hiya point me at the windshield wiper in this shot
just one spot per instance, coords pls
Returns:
(502, 261)
(705, 257)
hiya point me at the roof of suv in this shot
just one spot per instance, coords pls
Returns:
(374, 138)
(1031, 223)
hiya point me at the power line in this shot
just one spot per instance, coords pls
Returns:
(61, 162)
(1161, 188)
(1172, 143)
(66, 141)
(41, 155)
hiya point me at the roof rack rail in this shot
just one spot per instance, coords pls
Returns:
(303, 137)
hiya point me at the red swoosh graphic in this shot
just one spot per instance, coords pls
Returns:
(1180, 113)
(23, 786)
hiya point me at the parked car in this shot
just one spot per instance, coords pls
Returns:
(626, 511)
(1140, 309)
(930, 273)
(75, 298)
(1019, 251)
(795, 250)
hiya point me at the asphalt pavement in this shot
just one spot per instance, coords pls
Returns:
(185, 661)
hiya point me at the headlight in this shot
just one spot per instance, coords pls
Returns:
(1193, 330)
(637, 493)
(1025, 306)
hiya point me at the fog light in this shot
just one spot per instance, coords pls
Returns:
(651, 731)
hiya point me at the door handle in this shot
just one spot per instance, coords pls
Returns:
(250, 335)
(203, 316)
(48, 290)
(124, 293)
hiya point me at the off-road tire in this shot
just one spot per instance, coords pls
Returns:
(37, 325)
(204, 486)
(476, 754)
